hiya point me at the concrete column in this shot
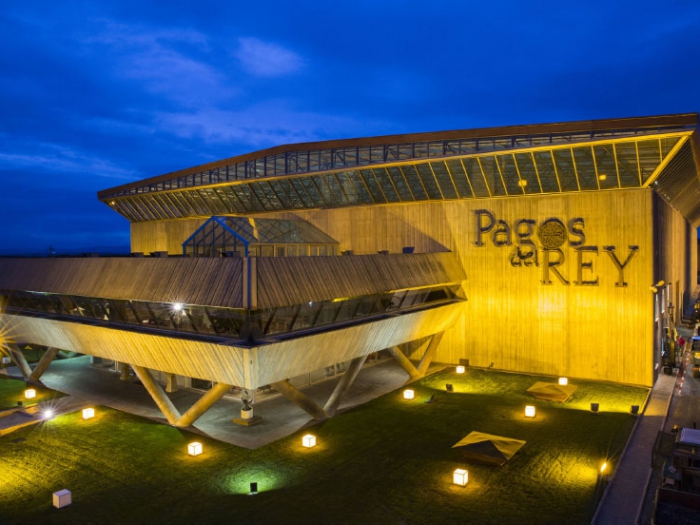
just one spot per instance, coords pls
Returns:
(94, 360)
(397, 354)
(21, 362)
(161, 399)
(171, 385)
(43, 364)
(203, 404)
(346, 381)
(124, 373)
(429, 354)
(300, 399)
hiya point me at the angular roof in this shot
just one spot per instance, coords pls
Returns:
(658, 152)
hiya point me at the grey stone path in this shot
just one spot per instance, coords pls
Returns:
(626, 491)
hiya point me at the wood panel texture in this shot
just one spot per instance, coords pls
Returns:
(283, 281)
(202, 281)
(512, 320)
(279, 361)
(202, 360)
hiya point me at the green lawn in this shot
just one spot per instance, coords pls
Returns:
(12, 391)
(388, 461)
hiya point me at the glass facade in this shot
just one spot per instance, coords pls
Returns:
(458, 172)
(228, 323)
(245, 237)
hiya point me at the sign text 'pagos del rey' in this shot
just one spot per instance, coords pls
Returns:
(552, 235)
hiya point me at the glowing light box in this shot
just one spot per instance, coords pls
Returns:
(308, 441)
(408, 394)
(460, 477)
(194, 448)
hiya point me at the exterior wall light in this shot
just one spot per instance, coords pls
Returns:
(408, 394)
(177, 307)
(308, 441)
(88, 413)
(563, 381)
(460, 477)
(529, 411)
(194, 448)
(460, 369)
(29, 393)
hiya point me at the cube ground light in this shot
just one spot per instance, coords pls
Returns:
(460, 369)
(563, 381)
(29, 393)
(62, 498)
(88, 413)
(408, 394)
(194, 448)
(308, 441)
(529, 411)
(460, 477)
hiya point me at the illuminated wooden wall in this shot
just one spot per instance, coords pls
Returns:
(512, 320)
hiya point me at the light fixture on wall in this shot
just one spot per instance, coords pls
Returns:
(655, 287)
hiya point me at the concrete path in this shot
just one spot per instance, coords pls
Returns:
(16, 418)
(280, 417)
(623, 499)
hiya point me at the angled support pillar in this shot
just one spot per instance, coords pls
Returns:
(397, 354)
(21, 361)
(171, 385)
(124, 373)
(43, 364)
(158, 394)
(429, 353)
(299, 399)
(346, 381)
(203, 404)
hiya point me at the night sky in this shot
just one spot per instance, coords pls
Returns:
(98, 94)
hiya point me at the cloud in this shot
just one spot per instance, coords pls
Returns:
(61, 159)
(169, 62)
(265, 59)
(260, 126)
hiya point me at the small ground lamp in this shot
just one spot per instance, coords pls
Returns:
(449, 387)
(194, 448)
(563, 381)
(529, 411)
(634, 410)
(603, 468)
(408, 394)
(308, 441)
(460, 369)
(594, 407)
(460, 477)
(88, 413)
(253, 488)
(29, 393)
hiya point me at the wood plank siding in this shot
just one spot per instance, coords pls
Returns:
(511, 319)
(252, 367)
(283, 281)
(212, 282)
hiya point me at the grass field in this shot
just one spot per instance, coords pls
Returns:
(388, 461)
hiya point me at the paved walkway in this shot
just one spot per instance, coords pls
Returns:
(14, 419)
(623, 499)
(280, 417)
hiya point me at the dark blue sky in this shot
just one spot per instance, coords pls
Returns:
(93, 96)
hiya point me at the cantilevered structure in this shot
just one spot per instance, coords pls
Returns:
(525, 248)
